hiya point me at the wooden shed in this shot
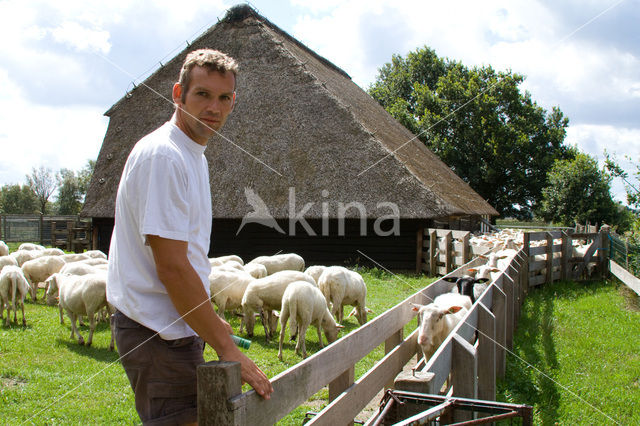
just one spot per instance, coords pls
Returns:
(308, 162)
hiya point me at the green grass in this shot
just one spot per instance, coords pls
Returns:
(578, 355)
(47, 378)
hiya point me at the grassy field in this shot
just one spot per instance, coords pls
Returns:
(576, 359)
(576, 355)
(47, 378)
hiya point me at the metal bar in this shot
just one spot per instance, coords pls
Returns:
(425, 416)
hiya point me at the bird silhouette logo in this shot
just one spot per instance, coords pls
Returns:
(260, 213)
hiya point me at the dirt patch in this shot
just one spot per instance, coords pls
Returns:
(12, 382)
(631, 299)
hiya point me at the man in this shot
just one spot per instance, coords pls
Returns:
(158, 266)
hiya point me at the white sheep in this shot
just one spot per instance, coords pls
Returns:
(437, 320)
(77, 268)
(95, 254)
(52, 252)
(281, 262)
(315, 271)
(305, 305)
(227, 288)
(256, 270)
(224, 259)
(22, 256)
(74, 257)
(7, 260)
(340, 287)
(264, 295)
(39, 269)
(13, 287)
(4, 249)
(30, 246)
(81, 295)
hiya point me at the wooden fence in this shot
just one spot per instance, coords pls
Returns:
(441, 251)
(473, 355)
(72, 233)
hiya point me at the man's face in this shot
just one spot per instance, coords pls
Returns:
(208, 102)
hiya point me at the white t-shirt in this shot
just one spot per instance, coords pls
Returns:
(164, 191)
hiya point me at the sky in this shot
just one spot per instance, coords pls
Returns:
(63, 63)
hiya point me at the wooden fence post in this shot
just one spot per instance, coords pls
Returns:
(526, 247)
(390, 344)
(604, 254)
(419, 253)
(549, 277)
(499, 300)
(466, 248)
(507, 287)
(341, 383)
(448, 262)
(464, 373)
(40, 229)
(486, 354)
(218, 381)
(433, 255)
(566, 255)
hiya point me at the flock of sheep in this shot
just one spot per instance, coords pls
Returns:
(260, 288)
(263, 286)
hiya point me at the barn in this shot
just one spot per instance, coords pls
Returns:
(308, 162)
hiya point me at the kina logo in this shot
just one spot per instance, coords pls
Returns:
(260, 213)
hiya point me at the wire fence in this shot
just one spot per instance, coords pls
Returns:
(35, 228)
(625, 254)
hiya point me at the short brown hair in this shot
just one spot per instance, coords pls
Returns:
(213, 60)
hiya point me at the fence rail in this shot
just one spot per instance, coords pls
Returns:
(464, 366)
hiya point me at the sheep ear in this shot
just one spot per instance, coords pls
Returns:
(450, 279)
(415, 307)
(454, 309)
(482, 280)
(339, 327)
(474, 270)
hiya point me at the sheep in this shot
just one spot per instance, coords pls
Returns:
(469, 286)
(95, 254)
(30, 246)
(7, 260)
(13, 286)
(77, 268)
(281, 262)
(22, 256)
(265, 295)
(74, 257)
(39, 269)
(82, 295)
(256, 270)
(94, 261)
(341, 287)
(52, 252)
(224, 259)
(305, 305)
(315, 271)
(437, 320)
(4, 249)
(227, 288)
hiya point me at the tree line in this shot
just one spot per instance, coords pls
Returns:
(34, 197)
(509, 149)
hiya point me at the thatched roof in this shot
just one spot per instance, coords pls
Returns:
(299, 122)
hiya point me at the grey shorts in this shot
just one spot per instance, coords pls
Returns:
(162, 372)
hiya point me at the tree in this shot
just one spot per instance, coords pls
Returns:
(17, 199)
(42, 183)
(478, 122)
(632, 189)
(579, 191)
(69, 199)
(84, 177)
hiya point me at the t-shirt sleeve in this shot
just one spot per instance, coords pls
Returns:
(164, 210)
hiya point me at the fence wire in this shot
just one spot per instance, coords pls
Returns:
(625, 254)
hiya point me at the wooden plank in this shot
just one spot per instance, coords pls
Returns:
(390, 344)
(464, 374)
(440, 366)
(587, 258)
(499, 300)
(507, 288)
(566, 254)
(486, 354)
(542, 235)
(466, 248)
(549, 277)
(536, 280)
(526, 253)
(350, 404)
(625, 276)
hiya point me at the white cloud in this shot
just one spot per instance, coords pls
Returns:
(82, 38)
